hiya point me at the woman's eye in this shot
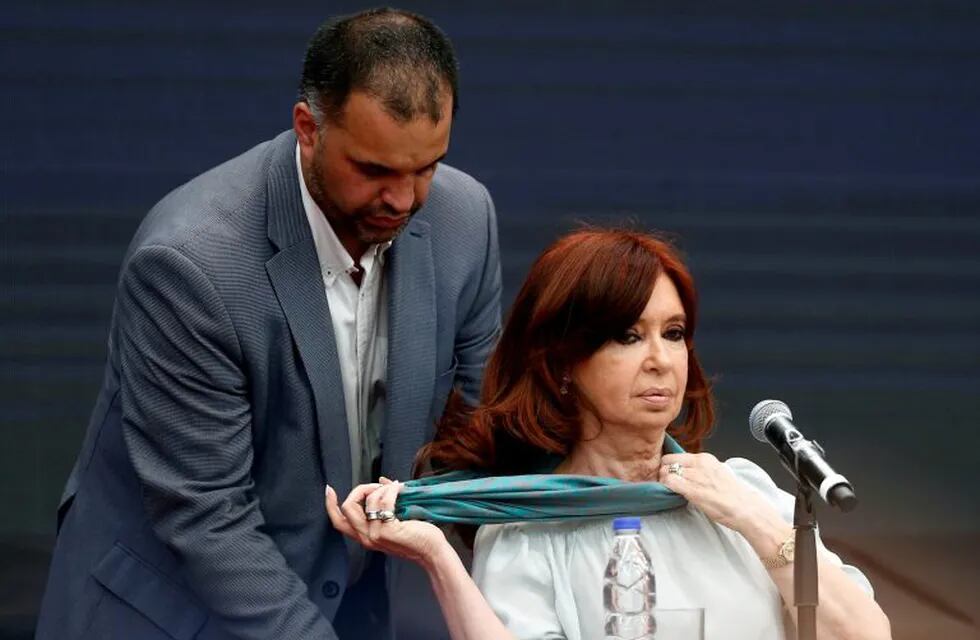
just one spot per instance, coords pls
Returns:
(630, 337)
(674, 334)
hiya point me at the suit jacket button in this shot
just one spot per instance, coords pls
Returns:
(331, 589)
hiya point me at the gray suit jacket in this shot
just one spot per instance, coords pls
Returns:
(195, 509)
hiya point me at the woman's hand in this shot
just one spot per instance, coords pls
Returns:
(713, 488)
(414, 540)
(467, 613)
(845, 611)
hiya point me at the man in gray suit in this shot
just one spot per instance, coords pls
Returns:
(296, 316)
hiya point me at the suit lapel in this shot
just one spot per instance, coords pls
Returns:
(296, 278)
(411, 348)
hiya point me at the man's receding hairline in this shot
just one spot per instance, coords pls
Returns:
(399, 58)
(338, 118)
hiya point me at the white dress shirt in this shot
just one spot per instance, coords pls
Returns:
(360, 326)
(544, 580)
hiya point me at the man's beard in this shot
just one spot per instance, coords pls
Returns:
(353, 223)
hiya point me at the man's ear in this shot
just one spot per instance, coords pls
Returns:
(304, 125)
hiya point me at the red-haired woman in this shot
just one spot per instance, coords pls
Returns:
(595, 365)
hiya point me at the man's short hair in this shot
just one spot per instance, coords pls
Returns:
(397, 57)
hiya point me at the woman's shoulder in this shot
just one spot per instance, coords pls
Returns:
(752, 474)
(537, 532)
(534, 538)
(756, 477)
(502, 548)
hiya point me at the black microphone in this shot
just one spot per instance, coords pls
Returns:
(771, 421)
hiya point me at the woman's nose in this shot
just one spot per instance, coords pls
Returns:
(657, 355)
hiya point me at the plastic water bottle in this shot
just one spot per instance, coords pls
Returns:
(629, 590)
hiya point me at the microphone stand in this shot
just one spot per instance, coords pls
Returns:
(806, 461)
(805, 579)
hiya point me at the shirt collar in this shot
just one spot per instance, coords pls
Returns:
(333, 257)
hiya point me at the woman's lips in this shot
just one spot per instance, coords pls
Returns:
(658, 398)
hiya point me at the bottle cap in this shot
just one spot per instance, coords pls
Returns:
(626, 524)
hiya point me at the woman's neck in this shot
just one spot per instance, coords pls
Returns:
(628, 456)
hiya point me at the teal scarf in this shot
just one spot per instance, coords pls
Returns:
(467, 497)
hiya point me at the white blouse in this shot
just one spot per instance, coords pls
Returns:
(544, 579)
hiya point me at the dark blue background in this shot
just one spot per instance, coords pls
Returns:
(819, 163)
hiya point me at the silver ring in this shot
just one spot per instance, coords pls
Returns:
(372, 515)
(676, 468)
(386, 516)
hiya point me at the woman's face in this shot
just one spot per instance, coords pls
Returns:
(638, 380)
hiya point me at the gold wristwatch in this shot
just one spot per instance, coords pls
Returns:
(784, 556)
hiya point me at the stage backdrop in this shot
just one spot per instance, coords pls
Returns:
(818, 163)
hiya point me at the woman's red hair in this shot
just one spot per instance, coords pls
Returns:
(587, 288)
